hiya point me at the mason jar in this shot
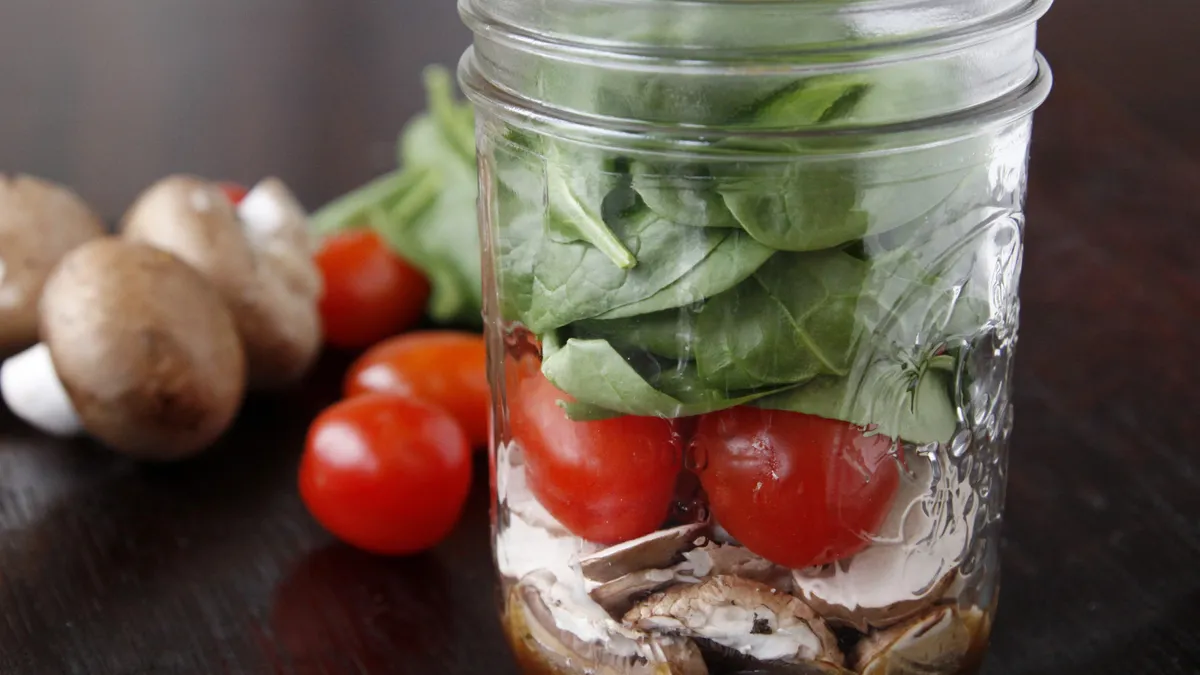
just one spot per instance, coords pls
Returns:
(750, 276)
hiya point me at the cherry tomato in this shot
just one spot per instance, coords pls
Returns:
(370, 292)
(796, 489)
(607, 481)
(234, 192)
(446, 368)
(386, 473)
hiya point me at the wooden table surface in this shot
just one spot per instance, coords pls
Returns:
(109, 567)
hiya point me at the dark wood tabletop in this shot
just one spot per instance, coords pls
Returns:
(108, 567)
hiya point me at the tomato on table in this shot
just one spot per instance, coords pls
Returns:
(606, 481)
(371, 293)
(386, 473)
(446, 368)
(796, 489)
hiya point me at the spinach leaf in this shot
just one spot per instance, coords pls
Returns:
(797, 317)
(896, 399)
(685, 194)
(580, 189)
(669, 333)
(574, 280)
(732, 261)
(443, 238)
(603, 381)
(809, 101)
(426, 209)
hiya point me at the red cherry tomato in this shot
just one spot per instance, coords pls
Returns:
(607, 481)
(796, 489)
(370, 292)
(234, 192)
(446, 368)
(386, 473)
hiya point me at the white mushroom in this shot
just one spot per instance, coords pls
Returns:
(744, 616)
(39, 223)
(942, 640)
(138, 350)
(551, 633)
(260, 262)
(915, 558)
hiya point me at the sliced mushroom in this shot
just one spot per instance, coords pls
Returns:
(921, 544)
(545, 642)
(656, 550)
(619, 595)
(940, 640)
(715, 559)
(138, 349)
(39, 223)
(747, 617)
(260, 263)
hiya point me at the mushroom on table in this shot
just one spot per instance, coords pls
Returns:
(257, 255)
(40, 222)
(138, 350)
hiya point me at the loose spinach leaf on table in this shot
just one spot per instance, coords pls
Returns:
(426, 209)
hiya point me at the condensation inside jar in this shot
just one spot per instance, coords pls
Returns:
(751, 390)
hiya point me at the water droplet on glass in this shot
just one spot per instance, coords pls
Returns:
(695, 458)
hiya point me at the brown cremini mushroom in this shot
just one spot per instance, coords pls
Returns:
(545, 647)
(40, 222)
(746, 617)
(258, 256)
(138, 350)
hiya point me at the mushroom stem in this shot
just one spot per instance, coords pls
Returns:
(31, 389)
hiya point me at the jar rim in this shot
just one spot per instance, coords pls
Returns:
(946, 35)
(655, 139)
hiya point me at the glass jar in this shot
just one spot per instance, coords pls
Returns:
(750, 277)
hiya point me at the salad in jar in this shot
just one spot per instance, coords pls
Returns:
(750, 371)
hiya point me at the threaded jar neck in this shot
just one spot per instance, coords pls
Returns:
(754, 65)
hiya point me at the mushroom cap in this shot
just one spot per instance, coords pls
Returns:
(543, 647)
(262, 268)
(39, 223)
(746, 616)
(145, 348)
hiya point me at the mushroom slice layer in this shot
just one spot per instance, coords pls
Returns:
(924, 539)
(549, 643)
(939, 641)
(709, 560)
(656, 550)
(747, 617)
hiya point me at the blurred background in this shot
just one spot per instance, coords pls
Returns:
(107, 96)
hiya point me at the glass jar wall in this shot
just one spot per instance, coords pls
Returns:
(751, 301)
